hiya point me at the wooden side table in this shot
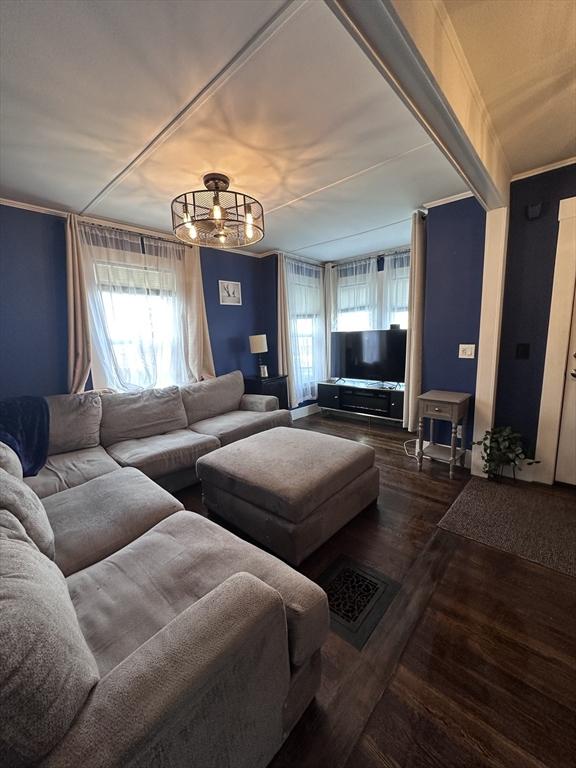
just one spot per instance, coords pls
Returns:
(443, 406)
(271, 385)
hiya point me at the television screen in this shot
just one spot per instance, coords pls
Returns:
(374, 355)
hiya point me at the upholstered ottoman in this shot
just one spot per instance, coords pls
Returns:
(289, 489)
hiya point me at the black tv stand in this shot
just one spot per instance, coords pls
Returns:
(375, 399)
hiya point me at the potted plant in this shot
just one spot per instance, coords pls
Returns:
(501, 447)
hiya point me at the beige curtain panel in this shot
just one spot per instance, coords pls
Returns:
(285, 359)
(199, 350)
(413, 386)
(79, 346)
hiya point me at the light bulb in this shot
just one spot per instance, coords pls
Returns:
(249, 217)
(222, 237)
(216, 210)
(249, 231)
(188, 226)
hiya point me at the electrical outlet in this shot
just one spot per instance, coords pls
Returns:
(459, 430)
(467, 350)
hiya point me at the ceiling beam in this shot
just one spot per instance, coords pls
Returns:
(414, 47)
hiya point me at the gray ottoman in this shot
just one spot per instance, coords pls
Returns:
(289, 489)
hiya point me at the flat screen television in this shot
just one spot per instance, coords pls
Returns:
(374, 355)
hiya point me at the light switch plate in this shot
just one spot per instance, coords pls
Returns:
(467, 350)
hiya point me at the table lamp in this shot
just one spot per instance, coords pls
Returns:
(259, 345)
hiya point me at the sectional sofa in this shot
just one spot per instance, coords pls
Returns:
(135, 633)
(161, 432)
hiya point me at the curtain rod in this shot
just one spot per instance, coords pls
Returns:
(383, 255)
(117, 228)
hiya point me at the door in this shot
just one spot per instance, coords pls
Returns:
(566, 457)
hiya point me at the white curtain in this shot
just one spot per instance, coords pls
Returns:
(285, 360)
(393, 290)
(141, 305)
(79, 345)
(413, 376)
(356, 295)
(304, 290)
(329, 311)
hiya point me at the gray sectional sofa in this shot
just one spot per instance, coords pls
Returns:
(135, 633)
(161, 432)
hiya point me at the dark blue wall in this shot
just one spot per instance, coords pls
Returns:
(231, 325)
(33, 322)
(33, 325)
(527, 295)
(453, 296)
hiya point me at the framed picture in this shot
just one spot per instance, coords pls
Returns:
(230, 293)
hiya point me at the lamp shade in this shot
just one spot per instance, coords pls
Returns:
(258, 344)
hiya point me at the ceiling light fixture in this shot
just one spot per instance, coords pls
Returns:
(217, 217)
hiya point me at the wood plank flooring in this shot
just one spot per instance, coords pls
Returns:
(473, 664)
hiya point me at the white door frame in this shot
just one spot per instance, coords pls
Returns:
(495, 247)
(557, 344)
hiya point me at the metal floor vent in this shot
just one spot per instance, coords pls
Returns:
(358, 597)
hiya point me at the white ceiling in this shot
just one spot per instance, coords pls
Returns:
(523, 56)
(305, 124)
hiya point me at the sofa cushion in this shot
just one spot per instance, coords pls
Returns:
(288, 472)
(163, 454)
(205, 399)
(10, 462)
(129, 415)
(123, 600)
(101, 516)
(24, 504)
(66, 470)
(74, 422)
(235, 425)
(46, 668)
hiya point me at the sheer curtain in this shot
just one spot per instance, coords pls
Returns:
(304, 285)
(356, 295)
(393, 285)
(413, 376)
(138, 309)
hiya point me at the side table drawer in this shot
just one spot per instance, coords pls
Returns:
(437, 410)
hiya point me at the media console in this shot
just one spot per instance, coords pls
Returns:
(365, 398)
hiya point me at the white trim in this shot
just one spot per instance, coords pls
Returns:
(117, 224)
(304, 410)
(33, 208)
(544, 169)
(490, 324)
(446, 200)
(559, 327)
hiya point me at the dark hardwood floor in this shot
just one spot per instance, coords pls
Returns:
(473, 664)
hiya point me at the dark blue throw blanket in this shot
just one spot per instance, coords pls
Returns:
(24, 426)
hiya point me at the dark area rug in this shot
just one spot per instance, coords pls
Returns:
(358, 597)
(521, 519)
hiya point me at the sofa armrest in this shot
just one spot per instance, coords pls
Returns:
(259, 403)
(207, 689)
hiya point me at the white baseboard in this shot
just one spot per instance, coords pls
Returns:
(305, 410)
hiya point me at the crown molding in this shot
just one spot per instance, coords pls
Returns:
(33, 208)
(544, 169)
(114, 223)
(446, 200)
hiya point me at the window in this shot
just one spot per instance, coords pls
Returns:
(137, 309)
(305, 296)
(372, 293)
(356, 295)
(394, 282)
